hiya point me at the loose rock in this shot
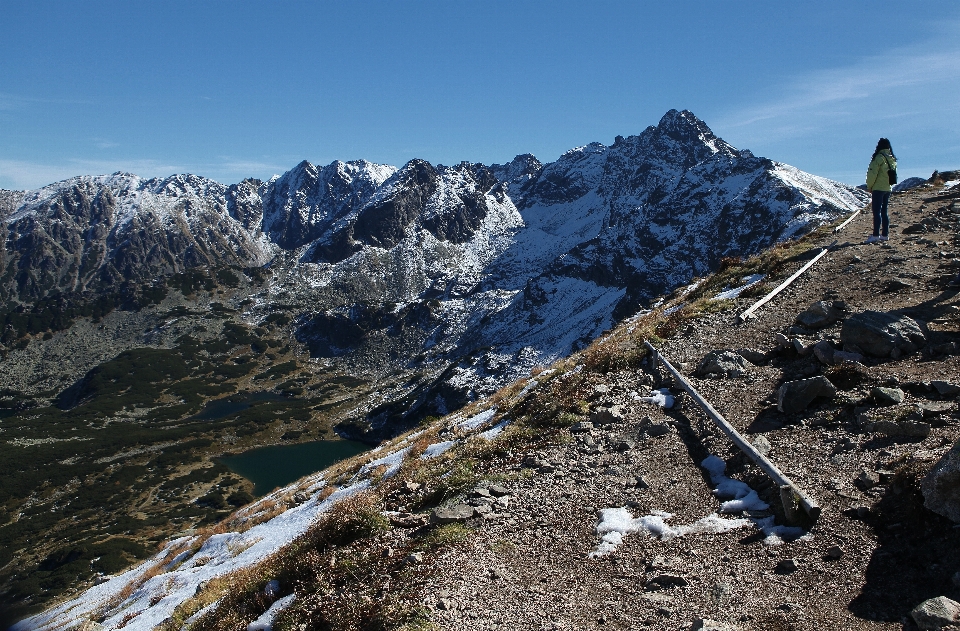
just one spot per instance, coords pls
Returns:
(725, 363)
(936, 613)
(887, 396)
(752, 355)
(451, 514)
(795, 396)
(762, 444)
(882, 334)
(946, 388)
(821, 314)
(786, 566)
(606, 416)
(941, 486)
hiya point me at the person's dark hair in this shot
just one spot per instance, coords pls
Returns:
(882, 144)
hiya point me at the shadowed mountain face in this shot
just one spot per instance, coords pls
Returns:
(466, 275)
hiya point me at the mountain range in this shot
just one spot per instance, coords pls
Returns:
(463, 277)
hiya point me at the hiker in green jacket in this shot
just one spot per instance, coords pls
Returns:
(878, 183)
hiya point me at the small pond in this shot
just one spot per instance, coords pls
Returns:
(222, 408)
(279, 465)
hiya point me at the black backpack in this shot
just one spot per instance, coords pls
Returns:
(891, 173)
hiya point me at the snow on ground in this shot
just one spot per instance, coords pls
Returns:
(615, 523)
(155, 600)
(748, 281)
(436, 449)
(265, 622)
(495, 431)
(391, 461)
(661, 397)
(744, 498)
(477, 420)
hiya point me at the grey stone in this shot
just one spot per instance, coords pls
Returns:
(498, 491)
(795, 396)
(840, 357)
(415, 557)
(786, 566)
(668, 580)
(896, 284)
(803, 347)
(726, 363)
(721, 591)
(705, 624)
(624, 444)
(887, 396)
(451, 514)
(762, 444)
(781, 340)
(935, 408)
(901, 420)
(936, 613)
(867, 480)
(941, 486)
(946, 388)
(641, 483)
(882, 334)
(752, 355)
(659, 429)
(821, 314)
(824, 351)
(581, 426)
(834, 552)
(607, 416)
(909, 429)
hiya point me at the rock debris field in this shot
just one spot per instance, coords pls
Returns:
(875, 554)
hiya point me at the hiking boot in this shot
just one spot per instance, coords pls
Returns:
(872, 239)
(884, 238)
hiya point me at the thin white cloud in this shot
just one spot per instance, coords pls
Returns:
(26, 175)
(923, 80)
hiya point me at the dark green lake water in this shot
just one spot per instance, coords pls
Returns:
(279, 465)
(222, 408)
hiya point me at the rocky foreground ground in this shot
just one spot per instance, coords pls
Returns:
(875, 553)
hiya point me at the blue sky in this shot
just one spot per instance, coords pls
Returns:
(248, 89)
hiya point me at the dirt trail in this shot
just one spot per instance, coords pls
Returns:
(530, 567)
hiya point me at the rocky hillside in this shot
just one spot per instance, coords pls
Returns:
(460, 277)
(596, 494)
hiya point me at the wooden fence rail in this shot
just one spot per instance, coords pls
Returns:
(790, 493)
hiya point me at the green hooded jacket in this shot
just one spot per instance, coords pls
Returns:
(877, 179)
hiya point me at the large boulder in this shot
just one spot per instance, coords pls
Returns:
(822, 313)
(941, 487)
(882, 334)
(936, 613)
(726, 363)
(795, 396)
